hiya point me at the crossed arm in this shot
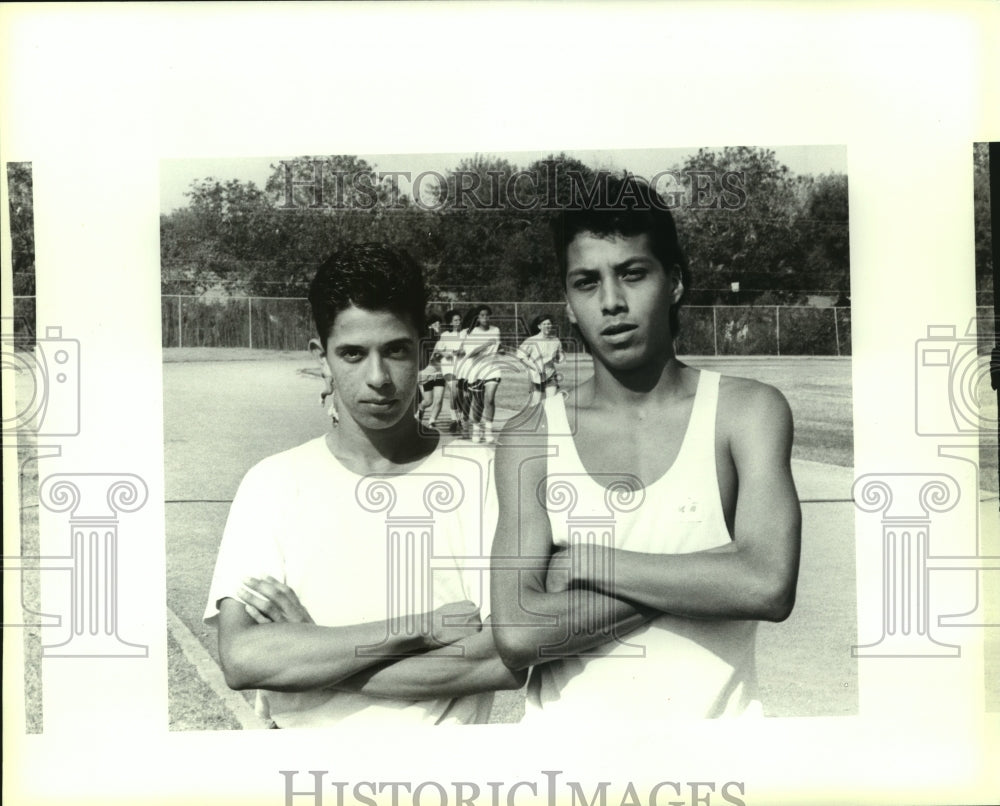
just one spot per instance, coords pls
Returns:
(548, 598)
(272, 643)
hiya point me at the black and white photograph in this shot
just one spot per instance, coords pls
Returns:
(764, 301)
(490, 403)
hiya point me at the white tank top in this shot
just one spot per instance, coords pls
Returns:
(672, 667)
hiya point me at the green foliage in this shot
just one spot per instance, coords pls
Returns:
(981, 218)
(22, 227)
(483, 234)
(787, 235)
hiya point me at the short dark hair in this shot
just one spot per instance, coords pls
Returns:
(449, 315)
(472, 317)
(431, 319)
(536, 323)
(371, 276)
(628, 207)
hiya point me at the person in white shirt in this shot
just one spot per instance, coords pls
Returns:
(432, 379)
(328, 600)
(541, 352)
(480, 350)
(448, 343)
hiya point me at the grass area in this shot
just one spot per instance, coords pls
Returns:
(30, 587)
(191, 703)
(180, 355)
(222, 417)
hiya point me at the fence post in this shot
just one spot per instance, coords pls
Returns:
(836, 331)
(715, 330)
(517, 322)
(777, 328)
(250, 319)
(180, 322)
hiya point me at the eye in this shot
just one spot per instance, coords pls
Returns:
(351, 354)
(399, 351)
(633, 274)
(585, 282)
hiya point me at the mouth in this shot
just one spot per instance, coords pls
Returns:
(618, 329)
(381, 404)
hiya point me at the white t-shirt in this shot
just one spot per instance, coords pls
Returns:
(541, 354)
(344, 543)
(480, 361)
(448, 342)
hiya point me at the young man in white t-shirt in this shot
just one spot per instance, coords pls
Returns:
(449, 342)
(340, 592)
(479, 356)
(650, 520)
(542, 350)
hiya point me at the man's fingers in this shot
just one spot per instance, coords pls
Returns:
(270, 590)
(275, 599)
(256, 615)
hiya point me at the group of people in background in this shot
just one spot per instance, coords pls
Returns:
(466, 356)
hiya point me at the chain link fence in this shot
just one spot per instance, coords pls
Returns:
(285, 323)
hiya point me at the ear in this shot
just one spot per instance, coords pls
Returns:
(317, 351)
(678, 285)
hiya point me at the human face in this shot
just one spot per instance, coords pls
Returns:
(619, 296)
(372, 356)
(483, 319)
(456, 323)
(545, 328)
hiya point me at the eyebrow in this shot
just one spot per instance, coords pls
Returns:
(403, 341)
(617, 267)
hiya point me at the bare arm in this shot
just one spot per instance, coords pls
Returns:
(440, 672)
(755, 576)
(535, 618)
(271, 652)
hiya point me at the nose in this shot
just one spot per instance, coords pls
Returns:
(376, 373)
(611, 297)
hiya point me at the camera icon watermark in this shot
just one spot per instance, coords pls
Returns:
(952, 381)
(47, 381)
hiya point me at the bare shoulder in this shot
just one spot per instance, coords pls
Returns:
(524, 430)
(743, 398)
(751, 412)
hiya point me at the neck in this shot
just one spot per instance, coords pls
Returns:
(379, 451)
(653, 380)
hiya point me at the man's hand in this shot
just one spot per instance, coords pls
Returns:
(454, 621)
(269, 601)
(558, 577)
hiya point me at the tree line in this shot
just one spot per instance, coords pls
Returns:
(787, 240)
(743, 217)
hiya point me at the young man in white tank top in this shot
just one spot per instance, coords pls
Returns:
(650, 520)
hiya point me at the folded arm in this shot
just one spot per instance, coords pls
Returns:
(273, 644)
(536, 616)
(441, 672)
(754, 576)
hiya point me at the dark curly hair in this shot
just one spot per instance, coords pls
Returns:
(371, 276)
(629, 207)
